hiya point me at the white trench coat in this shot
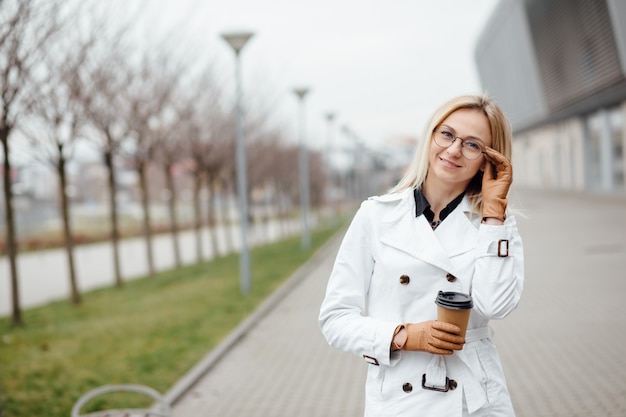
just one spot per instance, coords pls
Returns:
(388, 271)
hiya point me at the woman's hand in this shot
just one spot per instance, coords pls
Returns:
(433, 336)
(497, 180)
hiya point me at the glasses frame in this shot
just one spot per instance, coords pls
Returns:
(454, 138)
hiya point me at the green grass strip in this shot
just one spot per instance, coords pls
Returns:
(150, 332)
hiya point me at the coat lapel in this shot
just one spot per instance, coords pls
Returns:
(414, 236)
(457, 234)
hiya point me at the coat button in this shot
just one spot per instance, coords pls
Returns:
(450, 277)
(404, 279)
(407, 387)
(452, 384)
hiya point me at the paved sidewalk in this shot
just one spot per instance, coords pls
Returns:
(562, 350)
(277, 363)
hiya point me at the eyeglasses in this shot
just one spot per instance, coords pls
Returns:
(471, 148)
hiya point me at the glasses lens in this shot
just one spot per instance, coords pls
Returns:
(444, 138)
(471, 149)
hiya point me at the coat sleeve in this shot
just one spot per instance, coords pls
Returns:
(343, 314)
(499, 275)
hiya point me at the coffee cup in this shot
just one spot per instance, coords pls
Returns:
(454, 308)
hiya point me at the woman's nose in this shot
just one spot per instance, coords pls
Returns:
(455, 147)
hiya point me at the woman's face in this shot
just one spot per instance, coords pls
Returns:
(447, 164)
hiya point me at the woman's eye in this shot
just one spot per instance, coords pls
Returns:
(447, 134)
(473, 145)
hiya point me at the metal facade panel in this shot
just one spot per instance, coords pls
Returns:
(617, 11)
(507, 66)
(575, 47)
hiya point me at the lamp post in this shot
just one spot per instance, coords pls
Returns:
(330, 117)
(304, 173)
(355, 183)
(237, 41)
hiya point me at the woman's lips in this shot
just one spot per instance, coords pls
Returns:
(449, 163)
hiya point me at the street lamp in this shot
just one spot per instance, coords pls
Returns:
(330, 117)
(355, 184)
(237, 41)
(304, 173)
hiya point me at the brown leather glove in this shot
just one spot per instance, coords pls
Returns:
(433, 336)
(497, 180)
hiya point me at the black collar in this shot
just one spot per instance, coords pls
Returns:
(422, 206)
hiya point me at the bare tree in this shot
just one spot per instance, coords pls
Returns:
(194, 148)
(218, 160)
(269, 145)
(148, 94)
(213, 151)
(170, 151)
(53, 127)
(190, 133)
(266, 148)
(285, 181)
(103, 80)
(224, 180)
(205, 145)
(25, 28)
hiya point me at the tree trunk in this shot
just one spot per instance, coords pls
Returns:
(226, 220)
(172, 209)
(115, 235)
(147, 223)
(16, 311)
(197, 213)
(212, 220)
(283, 215)
(266, 219)
(67, 233)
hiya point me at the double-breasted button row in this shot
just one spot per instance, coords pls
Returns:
(405, 279)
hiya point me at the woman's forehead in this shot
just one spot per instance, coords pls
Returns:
(470, 122)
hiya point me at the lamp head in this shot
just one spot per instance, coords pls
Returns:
(237, 40)
(301, 92)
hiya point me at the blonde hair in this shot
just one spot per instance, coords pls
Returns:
(501, 138)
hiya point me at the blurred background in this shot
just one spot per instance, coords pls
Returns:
(118, 118)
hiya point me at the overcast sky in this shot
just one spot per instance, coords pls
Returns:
(381, 66)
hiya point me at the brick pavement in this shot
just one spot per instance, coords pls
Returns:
(279, 363)
(562, 350)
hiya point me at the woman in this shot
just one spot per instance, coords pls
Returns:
(443, 227)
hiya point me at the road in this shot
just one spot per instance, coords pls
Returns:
(43, 275)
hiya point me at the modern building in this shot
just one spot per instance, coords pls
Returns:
(558, 68)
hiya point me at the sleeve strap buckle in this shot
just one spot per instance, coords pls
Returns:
(503, 248)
